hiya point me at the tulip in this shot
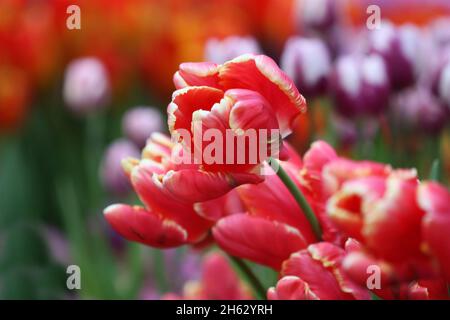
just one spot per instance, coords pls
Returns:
(316, 273)
(140, 122)
(247, 94)
(165, 221)
(380, 212)
(360, 85)
(272, 210)
(113, 178)
(419, 108)
(308, 63)
(398, 47)
(256, 73)
(220, 51)
(399, 223)
(86, 85)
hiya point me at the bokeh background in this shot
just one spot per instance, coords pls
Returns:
(74, 102)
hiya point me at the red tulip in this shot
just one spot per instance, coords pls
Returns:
(257, 73)
(165, 221)
(273, 227)
(380, 212)
(249, 99)
(316, 273)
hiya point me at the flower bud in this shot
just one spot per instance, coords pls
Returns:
(307, 63)
(86, 85)
(140, 122)
(112, 175)
(360, 85)
(220, 51)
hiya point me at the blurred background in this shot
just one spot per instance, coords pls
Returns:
(75, 101)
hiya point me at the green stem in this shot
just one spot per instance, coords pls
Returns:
(435, 170)
(252, 280)
(299, 197)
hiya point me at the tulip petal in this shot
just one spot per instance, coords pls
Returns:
(320, 267)
(272, 200)
(434, 199)
(392, 227)
(291, 288)
(197, 186)
(357, 263)
(221, 207)
(150, 188)
(259, 240)
(252, 112)
(321, 281)
(345, 207)
(319, 154)
(197, 74)
(261, 74)
(188, 100)
(137, 224)
(336, 172)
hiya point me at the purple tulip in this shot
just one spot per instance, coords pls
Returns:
(220, 51)
(140, 122)
(418, 108)
(307, 62)
(86, 85)
(112, 175)
(398, 46)
(360, 85)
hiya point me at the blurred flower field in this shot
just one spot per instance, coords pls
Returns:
(100, 166)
